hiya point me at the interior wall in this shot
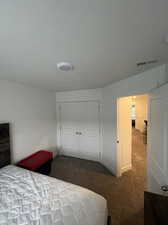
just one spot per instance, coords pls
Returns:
(31, 113)
(140, 84)
(141, 103)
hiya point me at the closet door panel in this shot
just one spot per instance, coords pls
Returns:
(69, 123)
(80, 130)
(89, 139)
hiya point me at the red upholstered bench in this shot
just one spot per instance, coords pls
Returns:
(38, 162)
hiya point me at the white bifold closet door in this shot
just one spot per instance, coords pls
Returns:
(80, 129)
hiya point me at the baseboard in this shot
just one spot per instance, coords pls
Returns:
(63, 153)
(109, 168)
(126, 168)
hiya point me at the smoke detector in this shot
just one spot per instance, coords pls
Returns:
(65, 66)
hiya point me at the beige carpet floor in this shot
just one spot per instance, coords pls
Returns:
(124, 195)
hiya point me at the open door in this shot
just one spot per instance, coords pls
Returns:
(158, 140)
(124, 135)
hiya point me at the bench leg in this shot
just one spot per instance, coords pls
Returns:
(46, 168)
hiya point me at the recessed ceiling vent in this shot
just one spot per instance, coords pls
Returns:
(145, 63)
(65, 66)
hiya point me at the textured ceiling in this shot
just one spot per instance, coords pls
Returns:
(103, 39)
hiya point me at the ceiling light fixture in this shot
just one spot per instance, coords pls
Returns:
(65, 66)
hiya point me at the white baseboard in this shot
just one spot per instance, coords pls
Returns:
(126, 168)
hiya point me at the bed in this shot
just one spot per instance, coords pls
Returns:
(29, 198)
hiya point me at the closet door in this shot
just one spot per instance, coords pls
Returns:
(90, 138)
(69, 116)
(80, 129)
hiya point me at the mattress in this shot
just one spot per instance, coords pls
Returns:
(29, 198)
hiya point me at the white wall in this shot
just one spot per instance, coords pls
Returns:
(32, 115)
(141, 103)
(139, 84)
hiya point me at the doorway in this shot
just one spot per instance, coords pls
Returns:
(132, 122)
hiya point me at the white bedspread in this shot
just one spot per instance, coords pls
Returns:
(28, 198)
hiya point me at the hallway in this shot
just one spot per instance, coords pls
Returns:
(139, 157)
(124, 195)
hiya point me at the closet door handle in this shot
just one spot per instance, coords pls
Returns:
(78, 133)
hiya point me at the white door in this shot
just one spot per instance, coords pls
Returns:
(69, 141)
(80, 129)
(89, 139)
(158, 139)
(124, 135)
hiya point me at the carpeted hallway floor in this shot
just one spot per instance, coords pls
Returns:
(124, 195)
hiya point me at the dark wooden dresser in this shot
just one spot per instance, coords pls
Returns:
(155, 209)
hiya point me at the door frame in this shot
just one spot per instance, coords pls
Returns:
(119, 150)
(118, 156)
(156, 176)
(100, 121)
(119, 173)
